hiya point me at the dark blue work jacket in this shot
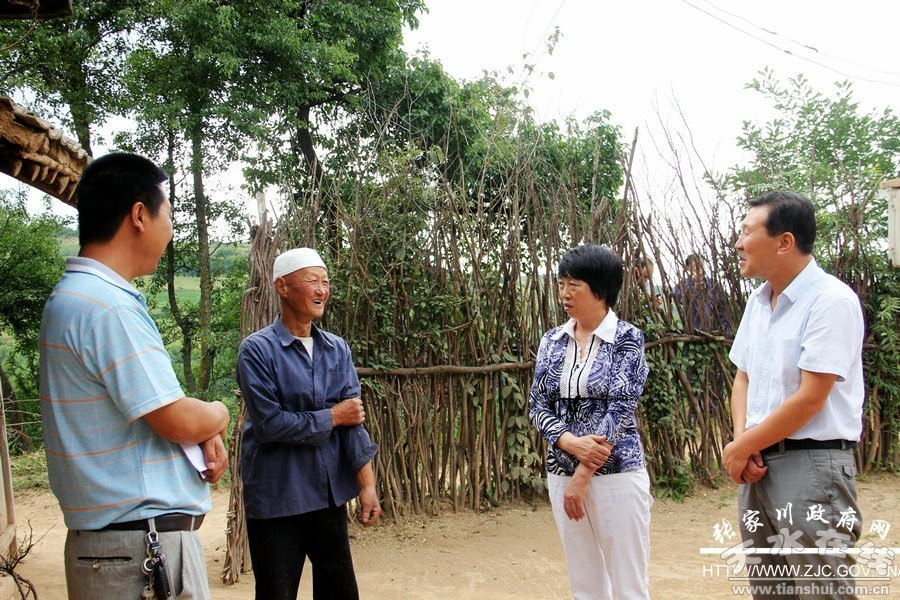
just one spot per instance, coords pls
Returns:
(292, 460)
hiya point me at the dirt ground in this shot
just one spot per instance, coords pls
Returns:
(507, 553)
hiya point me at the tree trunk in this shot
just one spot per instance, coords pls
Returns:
(184, 323)
(305, 142)
(207, 350)
(81, 113)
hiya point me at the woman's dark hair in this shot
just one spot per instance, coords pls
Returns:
(790, 213)
(598, 266)
(109, 187)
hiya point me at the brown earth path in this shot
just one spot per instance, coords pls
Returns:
(506, 553)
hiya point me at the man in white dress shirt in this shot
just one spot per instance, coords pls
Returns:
(797, 403)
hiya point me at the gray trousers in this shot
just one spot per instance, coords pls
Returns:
(101, 565)
(806, 499)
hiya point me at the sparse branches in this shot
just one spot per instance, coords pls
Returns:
(9, 564)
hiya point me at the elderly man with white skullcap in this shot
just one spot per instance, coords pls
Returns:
(305, 451)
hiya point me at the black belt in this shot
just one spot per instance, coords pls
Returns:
(808, 444)
(164, 523)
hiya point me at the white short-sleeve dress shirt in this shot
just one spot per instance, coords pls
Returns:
(817, 326)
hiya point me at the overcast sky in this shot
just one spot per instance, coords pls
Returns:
(633, 56)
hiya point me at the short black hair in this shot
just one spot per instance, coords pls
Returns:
(694, 258)
(109, 187)
(600, 267)
(790, 213)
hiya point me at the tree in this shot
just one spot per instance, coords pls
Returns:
(204, 80)
(30, 266)
(825, 149)
(179, 79)
(208, 79)
(306, 61)
(72, 64)
(472, 135)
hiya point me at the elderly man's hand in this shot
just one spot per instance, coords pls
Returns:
(369, 509)
(348, 412)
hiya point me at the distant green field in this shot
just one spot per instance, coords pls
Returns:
(68, 246)
(187, 289)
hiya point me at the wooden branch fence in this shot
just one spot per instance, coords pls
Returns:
(444, 295)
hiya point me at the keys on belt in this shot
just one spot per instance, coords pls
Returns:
(154, 567)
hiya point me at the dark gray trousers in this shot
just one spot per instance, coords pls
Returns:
(102, 565)
(806, 499)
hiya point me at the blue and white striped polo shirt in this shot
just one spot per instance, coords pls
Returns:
(103, 366)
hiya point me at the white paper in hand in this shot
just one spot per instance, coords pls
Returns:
(195, 454)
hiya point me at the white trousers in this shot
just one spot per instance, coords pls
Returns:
(607, 551)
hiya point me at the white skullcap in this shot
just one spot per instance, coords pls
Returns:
(294, 260)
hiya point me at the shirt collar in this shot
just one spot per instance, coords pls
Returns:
(287, 338)
(606, 330)
(804, 278)
(82, 264)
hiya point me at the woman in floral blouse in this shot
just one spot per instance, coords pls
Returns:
(589, 375)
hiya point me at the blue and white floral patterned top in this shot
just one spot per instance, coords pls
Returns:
(602, 403)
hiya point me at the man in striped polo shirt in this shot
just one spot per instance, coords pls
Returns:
(117, 427)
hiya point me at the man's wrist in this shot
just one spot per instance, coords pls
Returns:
(741, 446)
(223, 410)
(335, 417)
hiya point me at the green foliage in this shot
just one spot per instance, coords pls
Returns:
(677, 483)
(817, 143)
(521, 449)
(305, 64)
(72, 64)
(405, 317)
(472, 135)
(826, 149)
(882, 366)
(30, 266)
(226, 327)
(206, 80)
(231, 279)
